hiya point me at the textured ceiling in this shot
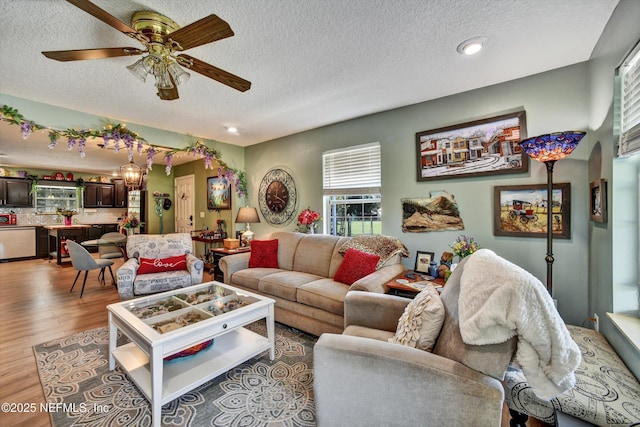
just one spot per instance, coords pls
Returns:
(311, 62)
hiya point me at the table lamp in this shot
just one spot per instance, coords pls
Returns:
(548, 149)
(249, 216)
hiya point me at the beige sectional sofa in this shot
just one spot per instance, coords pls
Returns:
(306, 295)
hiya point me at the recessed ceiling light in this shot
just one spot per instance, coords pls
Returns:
(231, 129)
(471, 46)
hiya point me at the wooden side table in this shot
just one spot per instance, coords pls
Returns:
(405, 290)
(218, 254)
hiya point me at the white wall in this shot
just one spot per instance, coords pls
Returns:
(554, 101)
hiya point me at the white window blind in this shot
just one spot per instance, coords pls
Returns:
(629, 72)
(353, 170)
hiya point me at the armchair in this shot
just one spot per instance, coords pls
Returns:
(157, 246)
(360, 379)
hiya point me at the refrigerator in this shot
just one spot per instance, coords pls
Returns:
(137, 205)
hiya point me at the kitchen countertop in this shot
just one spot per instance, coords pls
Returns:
(60, 226)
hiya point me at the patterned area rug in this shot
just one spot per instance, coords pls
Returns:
(77, 383)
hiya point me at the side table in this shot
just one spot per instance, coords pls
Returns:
(218, 254)
(399, 288)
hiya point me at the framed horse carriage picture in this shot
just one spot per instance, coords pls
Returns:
(521, 210)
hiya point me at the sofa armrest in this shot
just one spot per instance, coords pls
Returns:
(232, 263)
(365, 382)
(377, 281)
(126, 275)
(196, 267)
(375, 311)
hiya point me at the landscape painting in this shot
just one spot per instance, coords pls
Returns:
(482, 147)
(438, 212)
(521, 211)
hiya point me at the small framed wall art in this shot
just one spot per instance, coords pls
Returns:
(598, 204)
(218, 193)
(423, 259)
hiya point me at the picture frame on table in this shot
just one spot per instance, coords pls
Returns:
(598, 202)
(423, 260)
(482, 147)
(521, 210)
(218, 193)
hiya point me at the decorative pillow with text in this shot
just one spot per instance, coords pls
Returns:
(161, 265)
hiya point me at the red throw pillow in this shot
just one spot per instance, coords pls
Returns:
(160, 265)
(264, 253)
(355, 265)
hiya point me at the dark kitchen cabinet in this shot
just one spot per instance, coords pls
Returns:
(15, 193)
(99, 195)
(120, 194)
(42, 242)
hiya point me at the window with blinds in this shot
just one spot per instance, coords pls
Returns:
(629, 74)
(352, 186)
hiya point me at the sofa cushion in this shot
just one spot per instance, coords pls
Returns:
(325, 294)
(355, 265)
(152, 283)
(606, 392)
(287, 245)
(285, 284)
(314, 254)
(421, 321)
(250, 277)
(363, 331)
(160, 265)
(264, 254)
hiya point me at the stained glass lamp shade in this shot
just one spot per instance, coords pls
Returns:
(548, 149)
(551, 147)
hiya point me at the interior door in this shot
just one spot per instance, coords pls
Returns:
(185, 203)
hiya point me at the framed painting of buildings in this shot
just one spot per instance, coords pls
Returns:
(521, 210)
(218, 193)
(482, 147)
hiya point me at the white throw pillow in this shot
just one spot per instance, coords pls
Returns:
(420, 324)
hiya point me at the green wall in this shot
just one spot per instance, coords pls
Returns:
(613, 250)
(301, 154)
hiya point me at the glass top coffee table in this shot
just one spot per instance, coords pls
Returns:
(164, 327)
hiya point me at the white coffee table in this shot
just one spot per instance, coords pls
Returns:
(155, 333)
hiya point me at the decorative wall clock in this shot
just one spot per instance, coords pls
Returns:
(277, 197)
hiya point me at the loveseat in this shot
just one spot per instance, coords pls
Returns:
(302, 283)
(168, 256)
(381, 370)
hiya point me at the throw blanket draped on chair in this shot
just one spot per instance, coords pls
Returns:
(498, 300)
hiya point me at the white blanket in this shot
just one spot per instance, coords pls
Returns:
(498, 300)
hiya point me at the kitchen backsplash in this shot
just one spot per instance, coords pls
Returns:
(28, 216)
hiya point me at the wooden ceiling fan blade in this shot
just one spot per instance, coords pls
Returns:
(82, 54)
(206, 30)
(214, 73)
(109, 19)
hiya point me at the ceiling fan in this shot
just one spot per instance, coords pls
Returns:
(162, 39)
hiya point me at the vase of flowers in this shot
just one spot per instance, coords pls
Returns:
(130, 223)
(67, 215)
(308, 218)
(464, 246)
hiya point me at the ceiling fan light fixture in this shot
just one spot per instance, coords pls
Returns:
(138, 70)
(163, 81)
(179, 75)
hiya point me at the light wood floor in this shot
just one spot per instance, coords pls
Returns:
(36, 306)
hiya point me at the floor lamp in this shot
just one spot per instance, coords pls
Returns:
(548, 149)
